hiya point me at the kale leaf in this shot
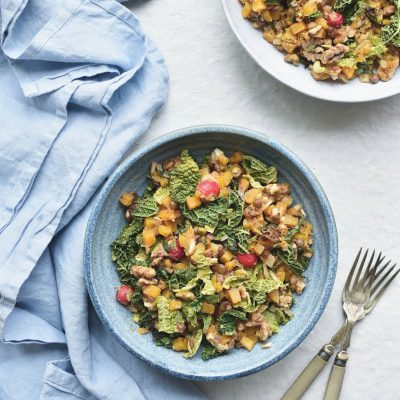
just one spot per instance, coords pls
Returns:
(181, 277)
(144, 207)
(227, 321)
(259, 171)
(208, 214)
(289, 257)
(210, 352)
(184, 178)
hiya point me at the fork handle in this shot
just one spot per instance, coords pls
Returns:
(306, 378)
(336, 377)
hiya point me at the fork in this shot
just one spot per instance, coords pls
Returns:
(360, 297)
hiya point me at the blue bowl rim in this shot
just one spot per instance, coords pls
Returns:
(217, 128)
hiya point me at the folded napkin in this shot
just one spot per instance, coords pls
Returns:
(79, 83)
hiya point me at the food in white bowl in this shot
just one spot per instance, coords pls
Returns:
(339, 41)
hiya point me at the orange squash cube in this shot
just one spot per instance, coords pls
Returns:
(149, 237)
(248, 342)
(164, 230)
(193, 202)
(207, 308)
(298, 27)
(152, 291)
(234, 296)
(180, 344)
(175, 305)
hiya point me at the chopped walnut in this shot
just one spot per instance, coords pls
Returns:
(297, 283)
(144, 272)
(215, 339)
(145, 281)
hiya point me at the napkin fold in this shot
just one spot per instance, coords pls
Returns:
(79, 83)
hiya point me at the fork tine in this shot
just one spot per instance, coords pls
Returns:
(376, 285)
(382, 269)
(373, 273)
(376, 298)
(368, 271)
(351, 273)
(357, 280)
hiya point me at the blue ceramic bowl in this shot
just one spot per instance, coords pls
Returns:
(107, 219)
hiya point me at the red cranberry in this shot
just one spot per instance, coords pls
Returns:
(247, 260)
(124, 294)
(177, 252)
(208, 188)
(335, 19)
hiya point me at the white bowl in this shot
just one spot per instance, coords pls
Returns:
(299, 78)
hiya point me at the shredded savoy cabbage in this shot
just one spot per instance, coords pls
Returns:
(212, 254)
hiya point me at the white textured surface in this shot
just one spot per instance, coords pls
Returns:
(354, 150)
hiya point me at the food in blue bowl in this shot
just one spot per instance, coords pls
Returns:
(215, 232)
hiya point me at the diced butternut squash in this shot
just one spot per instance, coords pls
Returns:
(280, 273)
(166, 201)
(266, 16)
(217, 285)
(193, 202)
(251, 195)
(149, 222)
(282, 207)
(298, 27)
(269, 35)
(166, 293)
(226, 178)
(152, 291)
(310, 8)
(248, 343)
(126, 199)
(289, 221)
(273, 296)
(167, 215)
(143, 331)
(168, 263)
(322, 21)
(256, 248)
(247, 224)
(180, 344)
(149, 237)
(234, 296)
(175, 305)
(208, 308)
(306, 228)
(181, 265)
(164, 230)
(246, 10)
(226, 256)
(348, 72)
(258, 5)
(230, 265)
(287, 199)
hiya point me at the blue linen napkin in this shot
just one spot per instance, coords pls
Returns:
(79, 83)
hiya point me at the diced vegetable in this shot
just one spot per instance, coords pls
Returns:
(126, 199)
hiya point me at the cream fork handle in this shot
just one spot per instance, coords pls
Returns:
(336, 376)
(316, 365)
(306, 378)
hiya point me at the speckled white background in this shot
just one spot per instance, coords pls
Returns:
(354, 150)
